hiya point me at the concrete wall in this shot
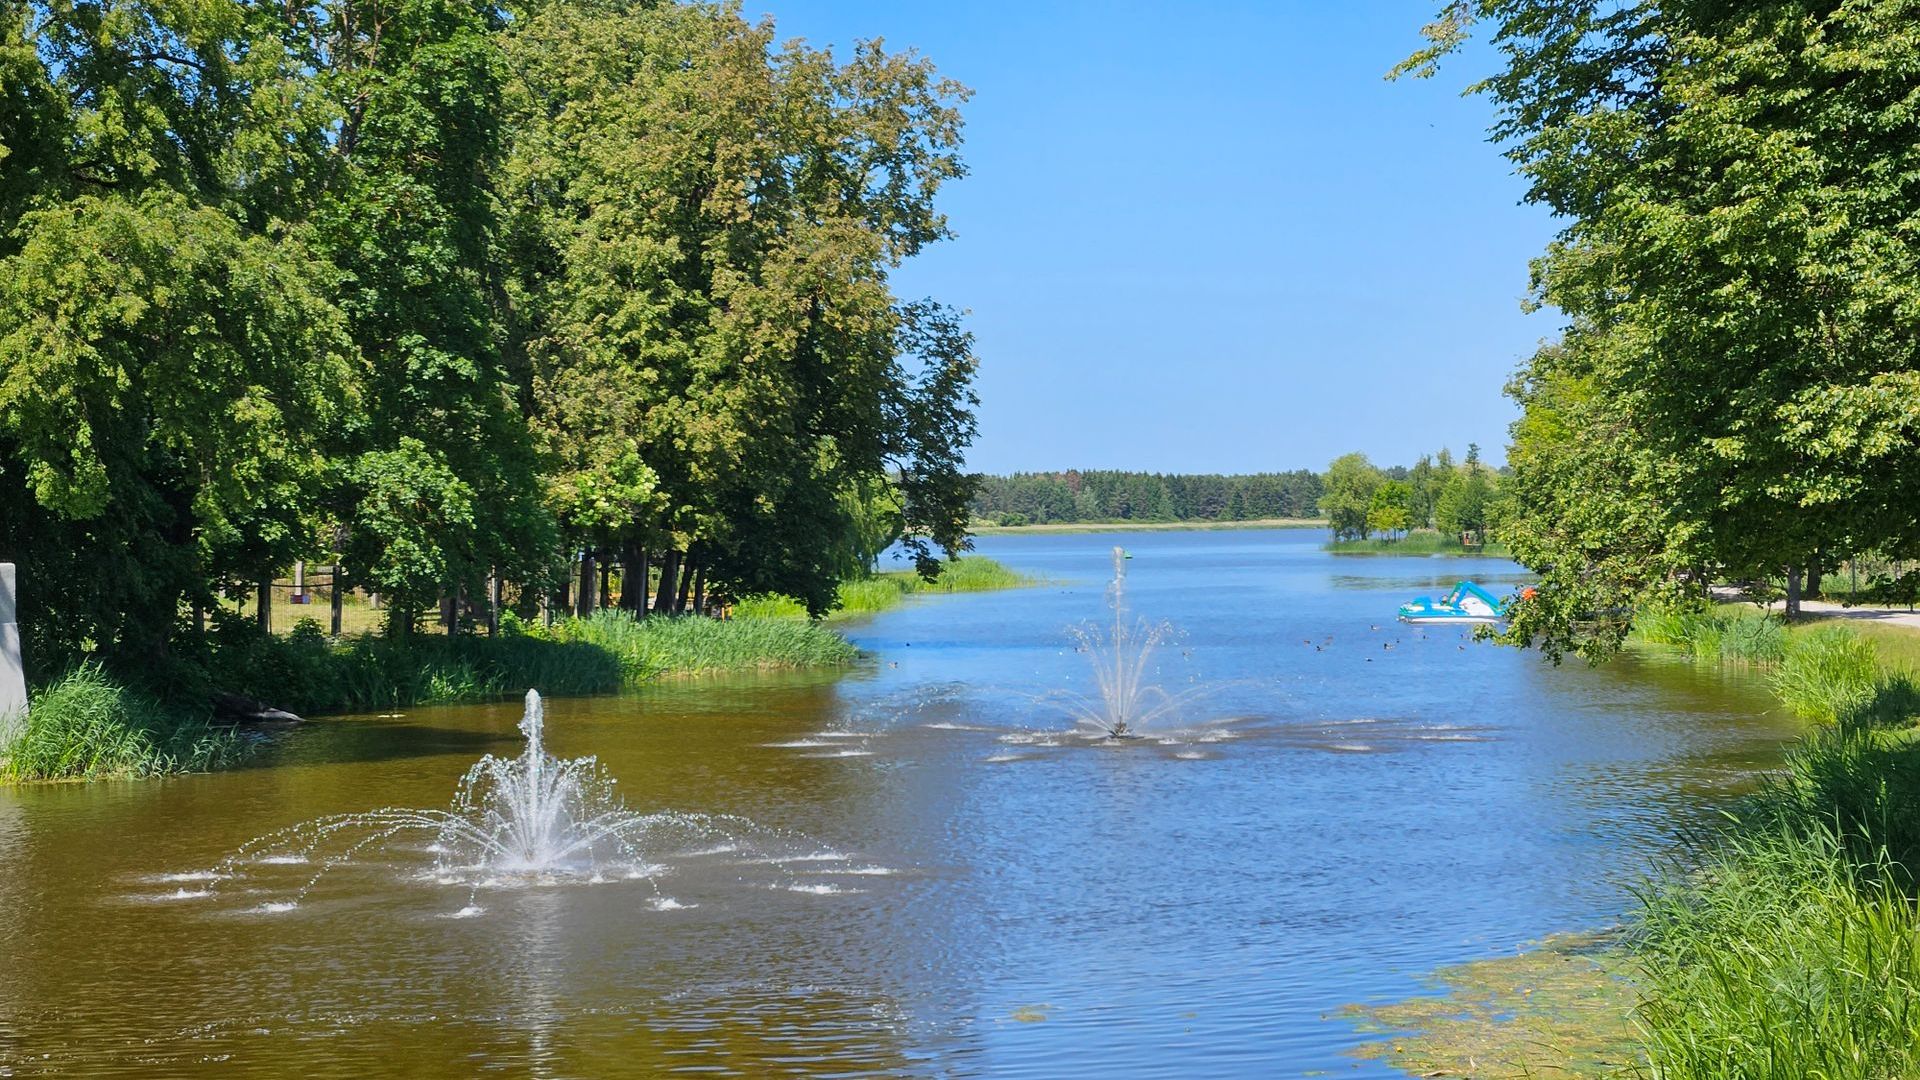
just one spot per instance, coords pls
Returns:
(13, 681)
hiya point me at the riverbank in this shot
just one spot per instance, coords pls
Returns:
(1146, 526)
(89, 725)
(1418, 542)
(1785, 939)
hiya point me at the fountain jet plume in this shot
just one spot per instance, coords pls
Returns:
(1128, 702)
(532, 818)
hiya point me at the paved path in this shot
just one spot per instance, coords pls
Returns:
(1827, 609)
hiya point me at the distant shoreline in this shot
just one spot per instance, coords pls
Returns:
(1146, 526)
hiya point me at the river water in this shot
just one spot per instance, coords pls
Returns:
(961, 893)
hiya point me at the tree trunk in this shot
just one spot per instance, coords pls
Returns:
(1793, 592)
(606, 583)
(493, 604)
(586, 585)
(669, 581)
(686, 583)
(1813, 579)
(265, 612)
(337, 600)
(633, 578)
(450, 614)
(700, 591)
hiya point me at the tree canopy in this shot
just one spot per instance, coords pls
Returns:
(447, 291)
(1735, 391)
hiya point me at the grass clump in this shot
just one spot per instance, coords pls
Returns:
(86, 726)
(1829, 674)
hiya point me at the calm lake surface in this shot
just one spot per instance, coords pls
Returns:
(982, 900)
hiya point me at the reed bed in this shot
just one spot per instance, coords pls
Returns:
(1716, 636)
(880, 592)
(656, 646)
(1789, 947)
(86, 726)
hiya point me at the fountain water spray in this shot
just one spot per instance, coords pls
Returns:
(1128, 704)
(529, 819)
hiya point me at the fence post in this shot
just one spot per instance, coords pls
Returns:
(13, 677)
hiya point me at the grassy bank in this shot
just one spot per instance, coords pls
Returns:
(1783, 944)
(1789, 946)
(85, 726)
(971, 573)
(88, 725)
(1418, 542)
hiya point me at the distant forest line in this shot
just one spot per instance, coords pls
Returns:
(1097, 495)
(1093, 496)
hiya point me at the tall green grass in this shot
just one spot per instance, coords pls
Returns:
(1828, 675)
(648, 648)
(866, 596)
(311, 674)
(1738, 636)
(85, 726)
(1789, 961)
(1791, 946)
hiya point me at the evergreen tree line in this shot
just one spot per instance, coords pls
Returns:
(1108, 495)
(456, 295)
(1736, 392)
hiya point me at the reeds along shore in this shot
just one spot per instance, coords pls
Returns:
(1786, 943)
(86, 725)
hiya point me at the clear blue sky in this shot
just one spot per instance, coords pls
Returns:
(1210, 238)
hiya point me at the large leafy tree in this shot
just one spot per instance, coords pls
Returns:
(171, 367)
(703, 227)
(1738, 182)
(1347, 500)
(436, 484)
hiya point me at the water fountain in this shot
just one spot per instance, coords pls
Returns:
(532, 819)
(1126, 704)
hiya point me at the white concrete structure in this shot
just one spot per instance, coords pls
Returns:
(13, 678)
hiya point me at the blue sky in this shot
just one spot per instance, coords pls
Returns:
(1211, 238)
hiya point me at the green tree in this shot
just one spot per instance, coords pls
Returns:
(1390, 510)
(169, 386)
(703, 232)
(1348, 495)
(409, 218)
(1738, 273)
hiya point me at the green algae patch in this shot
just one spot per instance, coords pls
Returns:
(1561, 1008)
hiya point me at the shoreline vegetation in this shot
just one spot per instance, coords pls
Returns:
(1199, 525)
(1418, 542)
(1788, 935)
(87, 725)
